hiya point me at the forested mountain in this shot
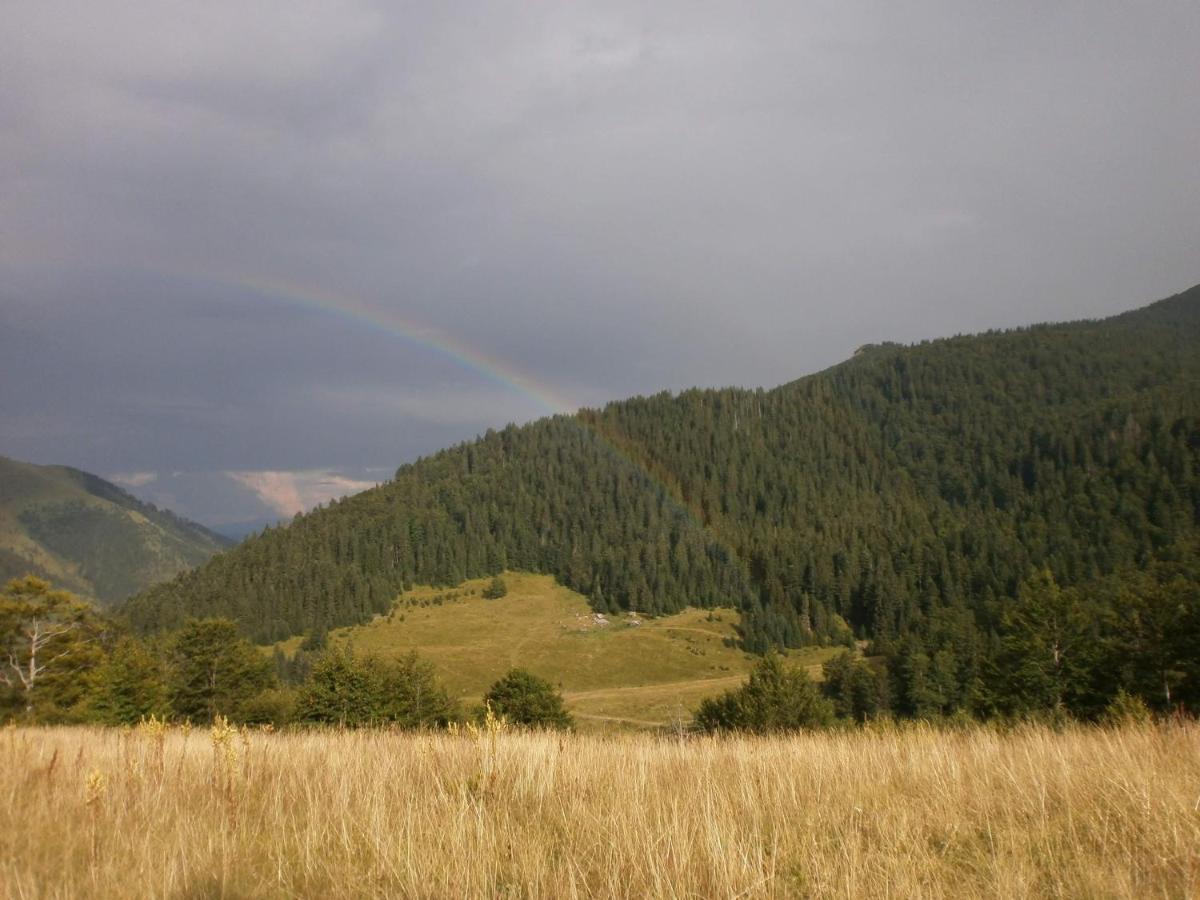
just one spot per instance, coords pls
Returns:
(904, 495)
(89, 536)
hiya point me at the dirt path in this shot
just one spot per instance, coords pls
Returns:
(712, 684)
(623, 720)
(603, 693)
(703, 631)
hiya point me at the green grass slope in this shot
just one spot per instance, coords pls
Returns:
(622, 670)
(89, 536)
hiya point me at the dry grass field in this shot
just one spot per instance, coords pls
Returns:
(913, 812)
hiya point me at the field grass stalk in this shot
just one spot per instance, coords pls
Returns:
(909, 811)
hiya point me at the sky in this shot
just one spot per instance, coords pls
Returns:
(255, 255)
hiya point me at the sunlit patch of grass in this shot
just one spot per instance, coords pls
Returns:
(618, 674)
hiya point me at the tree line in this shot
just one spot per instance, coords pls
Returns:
(1125, 644)
(1125, 647)
(64, 661)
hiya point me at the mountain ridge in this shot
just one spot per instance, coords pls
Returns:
(89, 535)
(861, 499)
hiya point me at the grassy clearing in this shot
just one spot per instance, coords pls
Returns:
(879, 813)
(619, 674)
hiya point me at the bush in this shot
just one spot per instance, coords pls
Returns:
(274, 706)
(345, 690)
(1127, 709)
(496, 589)
(525, 699)
(775, 699)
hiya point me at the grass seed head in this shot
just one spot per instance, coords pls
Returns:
(153, 728)
(95, 788)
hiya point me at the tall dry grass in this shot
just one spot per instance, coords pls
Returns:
(886, 813)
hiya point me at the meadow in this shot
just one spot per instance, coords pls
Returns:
(633, 672)
(886, 811)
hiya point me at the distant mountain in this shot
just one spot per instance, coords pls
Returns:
(89, 536)
(239, 531)
(906, 491)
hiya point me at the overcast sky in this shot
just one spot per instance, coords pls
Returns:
(604, 200)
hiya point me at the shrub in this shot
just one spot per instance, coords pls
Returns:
(274, 706)
(346, 690)
(496, 589)
(525, 699)
(1127, 709)
(775, 698)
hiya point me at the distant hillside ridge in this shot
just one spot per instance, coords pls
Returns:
(906, 486)
(89, 536)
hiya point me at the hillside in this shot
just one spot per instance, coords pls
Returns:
(623, 670)
(89, 536)
(907, 491)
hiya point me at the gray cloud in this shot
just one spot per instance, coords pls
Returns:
(607, 198)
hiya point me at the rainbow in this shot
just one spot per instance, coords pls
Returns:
(353, 309)
(363, 314)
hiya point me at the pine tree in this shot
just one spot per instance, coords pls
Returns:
(856, 691)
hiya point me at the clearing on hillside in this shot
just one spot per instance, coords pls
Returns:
(615, 671)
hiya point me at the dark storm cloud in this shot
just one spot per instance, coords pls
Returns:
(608, 198)
(154, 373)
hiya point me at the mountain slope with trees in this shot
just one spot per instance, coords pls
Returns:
(904, 496)
(89, 536)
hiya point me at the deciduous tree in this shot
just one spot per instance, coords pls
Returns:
(129, 685)
(49, 640)
(213, 670)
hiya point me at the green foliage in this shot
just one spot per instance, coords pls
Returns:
(340, 690)
(315, 641)
(273, 706)
(1154, 621)
(856, 691)
(1049, 648)
(128, 686)
(776, 698)
(525, 699)
(496, 589)
(213, 671)
(349, 691)
(50, 641)
(1127, 709)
